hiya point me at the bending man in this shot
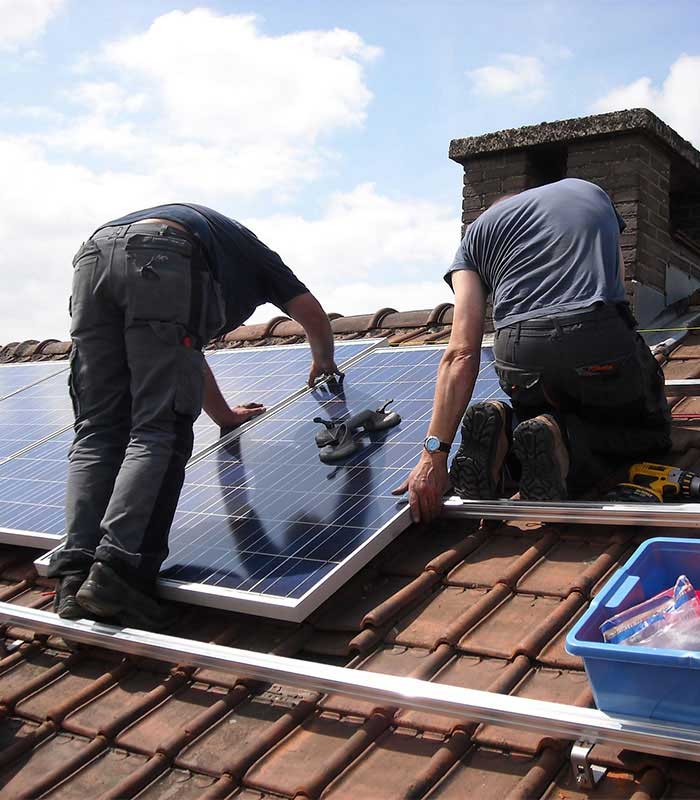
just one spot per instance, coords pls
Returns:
(149, 291)
(583, 385)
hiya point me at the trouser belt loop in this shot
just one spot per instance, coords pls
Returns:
(518, 329)
(557, 328)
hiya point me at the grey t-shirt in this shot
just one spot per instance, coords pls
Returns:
(547, 251)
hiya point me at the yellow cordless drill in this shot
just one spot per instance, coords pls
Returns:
(657, 483)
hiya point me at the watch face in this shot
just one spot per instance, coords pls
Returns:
(432, 444)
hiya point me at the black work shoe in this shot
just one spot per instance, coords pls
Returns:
(65, 604)
(539, 446)
(476, 471)
(106, 594)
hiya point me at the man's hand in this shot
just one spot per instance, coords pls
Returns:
(319, 368)
(426, 487)
(239, 414)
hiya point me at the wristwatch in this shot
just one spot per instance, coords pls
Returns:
(433, 445)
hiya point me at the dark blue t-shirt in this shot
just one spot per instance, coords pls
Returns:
(547, 251)
(249, 272)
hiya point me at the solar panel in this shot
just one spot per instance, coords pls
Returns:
(267, 375)
(15, 377)
(264, 527)
(32, 485)
(34, 413)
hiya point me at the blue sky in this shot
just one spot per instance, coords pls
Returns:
(322, 125)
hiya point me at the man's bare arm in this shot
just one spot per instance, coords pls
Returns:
(456, 377)
(309, 313)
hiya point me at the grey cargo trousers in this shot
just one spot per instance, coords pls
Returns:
(138, 310)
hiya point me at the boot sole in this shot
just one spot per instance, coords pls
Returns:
(470, 472)
(70, 610)
(99, 608)
(534, 447)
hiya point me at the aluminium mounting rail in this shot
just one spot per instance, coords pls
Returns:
(677, 515)
(687, 388)
(556, 719)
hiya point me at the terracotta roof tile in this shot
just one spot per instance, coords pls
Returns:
(491, 773)
(555, 685)
(100, 775)
(573, 563)
(554, 653)
(424, 627)
(349, 607)
(312, 755)
(470, 672)
(51, 761)
(501, 635)
(402, 762)
(115, 706)
(243, 735)
(152, 733)
(81, 680)
(29, 673)
(18, 736)
(444, 546)
(177, 784)
(502, 558)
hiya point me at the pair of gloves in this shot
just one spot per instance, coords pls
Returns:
(338, 441)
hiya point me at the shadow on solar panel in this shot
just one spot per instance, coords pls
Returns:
(264, 527)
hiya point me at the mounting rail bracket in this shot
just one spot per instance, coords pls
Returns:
(586, 775)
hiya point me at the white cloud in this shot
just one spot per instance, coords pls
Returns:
(513, 76)
(676, 100)
(25, 20)
(209, 103)
(368, 250)
(219, 79)
(207, 108)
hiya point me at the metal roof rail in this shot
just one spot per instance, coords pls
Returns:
(602, 512)
(563, 721)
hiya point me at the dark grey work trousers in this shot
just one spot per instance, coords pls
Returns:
(595, 374)
(136, 380)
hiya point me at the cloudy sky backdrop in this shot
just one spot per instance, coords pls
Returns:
(322, 125)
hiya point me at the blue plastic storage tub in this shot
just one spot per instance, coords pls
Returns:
(641, 681)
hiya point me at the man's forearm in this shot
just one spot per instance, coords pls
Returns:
(320, 336)
(213, 401)
(457, 375)
(309, 313)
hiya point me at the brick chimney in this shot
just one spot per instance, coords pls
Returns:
(649, 171)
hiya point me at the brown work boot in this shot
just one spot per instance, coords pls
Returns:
(477, 469)
(539, 446)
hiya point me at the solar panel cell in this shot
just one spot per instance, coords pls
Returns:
(32, 488)
(33, 414)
